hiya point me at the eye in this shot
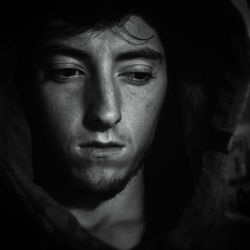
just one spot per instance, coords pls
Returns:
(138, 78)
(63, 75)
(68, 72)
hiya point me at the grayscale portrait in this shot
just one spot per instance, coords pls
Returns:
(116, 122)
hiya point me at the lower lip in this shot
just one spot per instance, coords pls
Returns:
(101, 150)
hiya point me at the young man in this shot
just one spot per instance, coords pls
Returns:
(100, 92)
(98, 84)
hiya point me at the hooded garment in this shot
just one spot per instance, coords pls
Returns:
(207, 109)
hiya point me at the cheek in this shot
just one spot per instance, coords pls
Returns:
(61, 113)
(142, 114)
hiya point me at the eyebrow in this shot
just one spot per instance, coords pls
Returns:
(65, 50)
(142, 53)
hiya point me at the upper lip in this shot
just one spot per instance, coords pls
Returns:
(99, 144)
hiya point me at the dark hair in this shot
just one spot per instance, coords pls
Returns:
(190, 30)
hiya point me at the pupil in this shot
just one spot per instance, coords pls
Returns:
(69, 72)
(139, 75)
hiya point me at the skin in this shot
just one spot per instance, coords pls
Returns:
(97, 88)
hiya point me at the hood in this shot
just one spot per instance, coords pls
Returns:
(209, 108)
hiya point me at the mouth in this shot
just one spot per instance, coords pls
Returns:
(97, 147)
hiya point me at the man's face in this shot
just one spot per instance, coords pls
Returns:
(100, 94)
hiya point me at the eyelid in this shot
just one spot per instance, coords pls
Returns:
(64, 65)
(53, 67)
(127, 73)
(137, 65)
(55, 70)
(136, 68)
(61, 58)
(58, 60)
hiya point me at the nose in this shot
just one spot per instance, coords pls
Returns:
(104, 109)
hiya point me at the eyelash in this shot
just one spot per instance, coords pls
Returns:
(141, 79)
(65, 74)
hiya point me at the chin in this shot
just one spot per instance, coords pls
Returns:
(103, 183)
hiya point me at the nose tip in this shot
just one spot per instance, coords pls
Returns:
(104, 111)
(108, 115)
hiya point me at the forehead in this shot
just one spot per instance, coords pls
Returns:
(134, 33)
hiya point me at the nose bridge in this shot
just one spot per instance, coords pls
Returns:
(109, 104)
(104, 109)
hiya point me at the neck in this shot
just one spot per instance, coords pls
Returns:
(120, 220)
